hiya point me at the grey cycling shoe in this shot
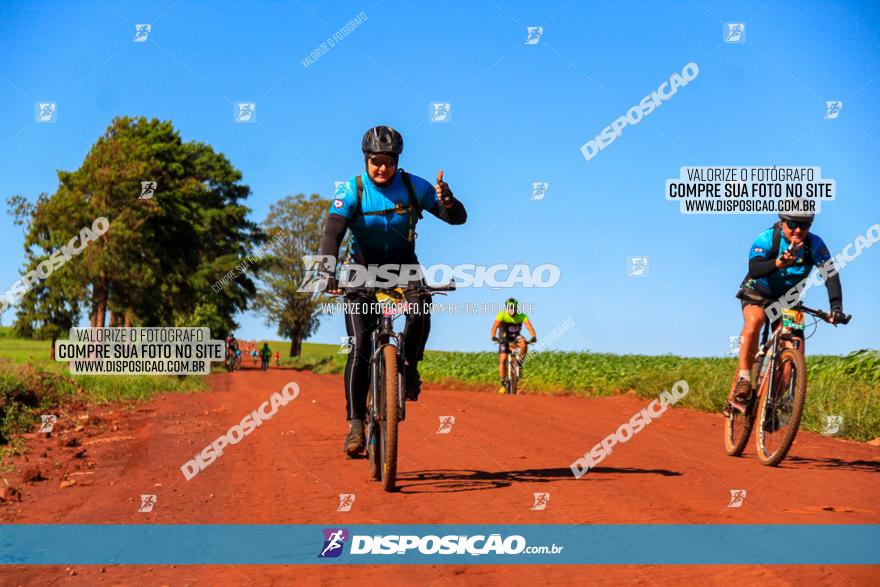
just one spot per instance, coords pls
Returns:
(355, 441)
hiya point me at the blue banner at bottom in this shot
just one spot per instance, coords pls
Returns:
(632, 544)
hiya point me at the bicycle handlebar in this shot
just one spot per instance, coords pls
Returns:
(824, 316)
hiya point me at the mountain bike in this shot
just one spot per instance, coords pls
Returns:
(386, 398)
(230, 359)
(779, 390)
(512, 364)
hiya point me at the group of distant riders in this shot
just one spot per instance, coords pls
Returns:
(380, 208)
(264, 354)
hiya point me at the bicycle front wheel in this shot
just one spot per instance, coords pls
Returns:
(780, 407)
(390, 417)
(738, 425)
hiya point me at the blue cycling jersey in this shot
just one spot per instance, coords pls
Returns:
(382, 238)
(782, 280)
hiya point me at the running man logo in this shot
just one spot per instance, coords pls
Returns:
(346, 346)
(441, 112)
(737, 497)
(339, 188)
(334, 540)
(147, 503)
(833, 426)
(141, 31)
(733, 345)
(734, 32)
(245, 112)
(346, 501)
(541, 501)
(832, 109)
(47, 422)
(637, 266)
(148, 188)
(446, 423)
(533, 35)
(316, 272)
(539, 190)
(45, 112)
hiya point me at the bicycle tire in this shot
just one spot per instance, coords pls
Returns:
(390, 387)
(742, 423)
(799, 363)
(373, 441)
(514, 376)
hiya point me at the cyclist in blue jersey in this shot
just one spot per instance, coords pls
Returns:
(380, 209)
(780, 258)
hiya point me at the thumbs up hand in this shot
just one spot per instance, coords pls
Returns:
(444, 194)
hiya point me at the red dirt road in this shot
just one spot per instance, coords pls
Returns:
(500, 451)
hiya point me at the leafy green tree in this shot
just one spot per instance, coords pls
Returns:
(295, 223)
(157, 261)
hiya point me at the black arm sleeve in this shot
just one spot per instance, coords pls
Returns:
(761, 267)
(454, 215)
(835, 291)
(334, 229)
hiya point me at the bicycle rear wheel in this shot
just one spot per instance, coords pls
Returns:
(390, 383)
(738, 425)
(780, 407)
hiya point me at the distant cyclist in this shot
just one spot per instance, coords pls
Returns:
(265, 356)
(506, 329)
(231, 345)
(254, 355)
(380, 209)
(780, 258)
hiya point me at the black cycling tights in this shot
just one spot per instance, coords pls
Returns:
(359, 326)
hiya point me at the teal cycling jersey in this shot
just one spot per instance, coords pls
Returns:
(380, 231)
(780, 281)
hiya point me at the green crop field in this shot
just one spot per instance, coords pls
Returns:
(847, 386)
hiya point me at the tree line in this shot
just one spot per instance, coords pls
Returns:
(166, 245)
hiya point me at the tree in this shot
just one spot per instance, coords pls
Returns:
(156, 263)
(295, 222)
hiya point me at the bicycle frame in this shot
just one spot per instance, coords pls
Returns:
(382, 336)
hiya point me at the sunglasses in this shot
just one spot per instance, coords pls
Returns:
(380, 160)
(792, 225)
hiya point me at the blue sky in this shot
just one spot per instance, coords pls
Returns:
(519, 114)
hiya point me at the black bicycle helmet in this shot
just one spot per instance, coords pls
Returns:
(382, 139)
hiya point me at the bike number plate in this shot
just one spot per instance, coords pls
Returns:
(392, 305)
(792, 320)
